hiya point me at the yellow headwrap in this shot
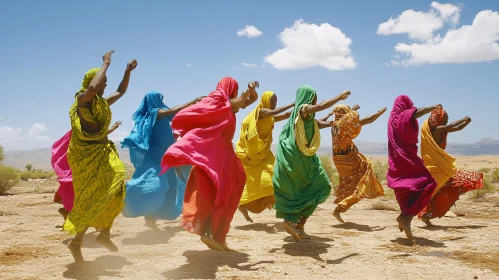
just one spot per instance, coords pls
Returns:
(340, 110)
(87, 79)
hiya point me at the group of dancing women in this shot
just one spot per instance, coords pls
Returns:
(186, 164)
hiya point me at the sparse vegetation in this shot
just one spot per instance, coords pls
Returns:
(488, 187)
(484, 170)
(2, 156)
(383, 206)
(29, 167)
(332, 173)
(38, 174)
(9, 177)
(495, 176)
(379, 169)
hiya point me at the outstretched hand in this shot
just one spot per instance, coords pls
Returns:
(131, 65)
(438, 106)
(116, 125)
(253, 85)
(106, 58)
(382, 111)
(355, 107)
(345, 95)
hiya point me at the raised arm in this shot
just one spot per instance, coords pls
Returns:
(248, 97)
(323, 124)
(325, 104)
(114, 127)
(268, 112)
(283, 116)
(454, 126)
(124, 83)
(162, 113)
(423, 111)
(373, 117)
(97, 82)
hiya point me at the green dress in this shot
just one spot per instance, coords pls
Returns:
(300, 182)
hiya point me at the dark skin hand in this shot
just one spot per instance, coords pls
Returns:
(364, 121)
(283, 116)
(323, 105)
(124, 83)
(114, 127)
(162, 113)
(273, 111)
(248, 97)
(426, 110)
(452, 127)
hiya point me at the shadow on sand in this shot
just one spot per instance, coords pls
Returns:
(420, 241)
(446, 228)
(205, 264)
(152, 236)
(268, 228)
(363, 228)
(104, 266)
(89, 240)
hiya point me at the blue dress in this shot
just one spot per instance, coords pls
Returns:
(147, 193)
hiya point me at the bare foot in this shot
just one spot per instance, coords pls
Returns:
(105, 241)
(212, 244)
(225, 247)
(303, 235)
(291, 230)
(337, 215)
(426, 220)
(64, 213)
(75, 249)
(243, 210)
(151, 224)
(405, 224)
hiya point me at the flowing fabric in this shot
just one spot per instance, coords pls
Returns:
(98, 173)
(357, 179)
(407, 176)
(253, 149)
(217, 178)
(148, 194)
(451, 181)
(300, 182)
(65, 193)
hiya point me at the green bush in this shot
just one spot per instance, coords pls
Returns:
(488, 187)
(379, 169)
(484, 170)
(9, 177)
(2, 155)
(495, 175)
(38, 174)
(332, 173)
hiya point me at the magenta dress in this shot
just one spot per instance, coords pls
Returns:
(65, 193)
(407, 176)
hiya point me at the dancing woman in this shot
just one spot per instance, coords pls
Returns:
(407, 175)
(357, 179)
(148, 194)
(253, 149)
(98, 173)
(452, 182)
(300, 182)
(217, 178)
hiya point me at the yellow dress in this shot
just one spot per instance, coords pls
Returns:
(98, 173)
(253, 149)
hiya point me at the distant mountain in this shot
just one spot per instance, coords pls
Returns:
(40, 158)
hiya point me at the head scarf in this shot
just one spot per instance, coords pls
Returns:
(227, 85)
(87, 79)
(436, 118)
(307, 132)
(341, 110)
(145, 120)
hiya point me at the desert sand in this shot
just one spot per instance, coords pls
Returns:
(462, 245)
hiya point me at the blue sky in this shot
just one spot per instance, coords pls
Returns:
(47, 46)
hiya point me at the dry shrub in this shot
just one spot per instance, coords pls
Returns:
(22, 253)
(8, 178)
(379, 169)
(495, 175)
(484, 170)
(332, 173)
(383, 206)
(36, 174)
(129, 170)
(488, 187)
(480, 260)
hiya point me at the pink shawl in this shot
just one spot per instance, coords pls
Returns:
(407, 176)
(60, 164)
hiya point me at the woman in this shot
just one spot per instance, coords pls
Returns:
(150, 195)
(98, 173)
(442, 166)
(217, 178)
(60, 164)
(407, 176)
(253, 149)
(300, 182)
(357, 180)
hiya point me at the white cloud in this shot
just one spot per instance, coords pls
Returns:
(470, 43)
(189, 64)
(249, 31)
(421, 25)
(249, 65)
(10, 136)
(309, 45)
(16, 137)
(36, 129)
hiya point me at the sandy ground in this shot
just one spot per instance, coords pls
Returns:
(368, 246)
